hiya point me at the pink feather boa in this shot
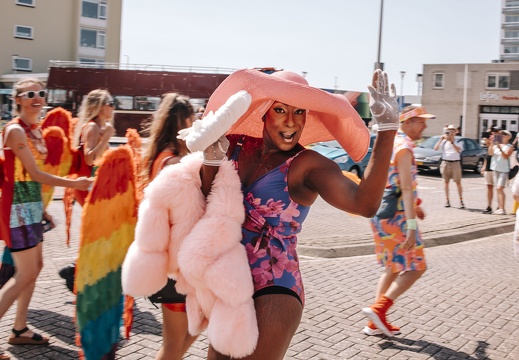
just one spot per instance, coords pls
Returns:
(196, 241)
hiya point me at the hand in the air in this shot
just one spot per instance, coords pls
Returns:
(216, 152)
(383, 102)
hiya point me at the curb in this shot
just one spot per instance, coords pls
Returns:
(431, 239)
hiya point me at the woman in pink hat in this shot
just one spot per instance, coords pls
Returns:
(280, 181)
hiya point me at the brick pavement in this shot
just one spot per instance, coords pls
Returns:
(464, 312)
(329, 232)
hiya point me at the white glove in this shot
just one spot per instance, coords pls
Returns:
(382, 102)
(216, 153)
(207, 131)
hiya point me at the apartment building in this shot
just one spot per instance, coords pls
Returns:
(510, 30)
(33, 32)
(477, 96)
(487, 94)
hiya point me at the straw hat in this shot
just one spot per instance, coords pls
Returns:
(329, 116)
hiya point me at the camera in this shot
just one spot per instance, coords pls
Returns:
(498, 139)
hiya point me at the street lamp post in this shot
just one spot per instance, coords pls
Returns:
(378, 64)
(402, 75)
(13, 65)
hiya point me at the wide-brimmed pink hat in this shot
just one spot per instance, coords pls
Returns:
(329, 116)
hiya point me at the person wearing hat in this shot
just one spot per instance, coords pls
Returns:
(398, 241)
(501, 151)
(450, 167)
(281, 180)
(486, 171)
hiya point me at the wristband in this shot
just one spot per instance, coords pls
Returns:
(411, 224)
(212, 162)
(387, 127)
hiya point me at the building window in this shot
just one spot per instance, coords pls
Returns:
(438, 80)
(94, 9)
(22, 64)
(123, 102)
(57, 96)
(511, 19)
(95, 62)
(147, 103)
(512, 3)
(30, 3)
(93, 38)
(23, 32)
(511, 49)
(511, 34)
(498, 81)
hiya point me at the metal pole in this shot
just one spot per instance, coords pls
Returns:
(402, 75)
(378, 64)
(464, 111)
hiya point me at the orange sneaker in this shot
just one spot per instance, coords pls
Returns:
(372, 330)
(377, 314)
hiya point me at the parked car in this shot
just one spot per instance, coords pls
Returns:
(333, 151)
(472, 156)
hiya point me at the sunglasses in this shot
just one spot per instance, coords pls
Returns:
(32, 94)
(110, 103)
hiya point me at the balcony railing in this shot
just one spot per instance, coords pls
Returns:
(142, 67)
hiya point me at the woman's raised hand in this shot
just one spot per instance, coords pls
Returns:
(383, 102)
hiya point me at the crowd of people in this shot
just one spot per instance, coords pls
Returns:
(261, 156)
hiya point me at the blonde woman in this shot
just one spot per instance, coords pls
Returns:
(93, 132)
(163, 148)
(21, 204)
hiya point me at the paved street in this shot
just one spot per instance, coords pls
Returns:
(465, 306)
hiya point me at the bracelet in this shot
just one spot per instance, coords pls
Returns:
(411, 224)
(387, 127)
(212, 162)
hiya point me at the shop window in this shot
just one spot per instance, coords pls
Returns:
(22, 64)
(147, 103)
(438, 80)
(498, 81)
(92, 38)
(30, 3)
(23, 32)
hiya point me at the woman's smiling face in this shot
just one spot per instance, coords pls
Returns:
(283, 126)
(31, 106)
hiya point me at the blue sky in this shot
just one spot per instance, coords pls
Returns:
(334, 41)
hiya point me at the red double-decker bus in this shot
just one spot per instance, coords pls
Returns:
(136, 89)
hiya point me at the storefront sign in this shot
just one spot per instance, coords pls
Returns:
(488, 96)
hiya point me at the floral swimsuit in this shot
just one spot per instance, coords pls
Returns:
(270, 230)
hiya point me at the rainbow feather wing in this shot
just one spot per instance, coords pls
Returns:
(56, 143)
(63, 119)
(107, 230)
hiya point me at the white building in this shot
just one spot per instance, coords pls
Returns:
(33, 32)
